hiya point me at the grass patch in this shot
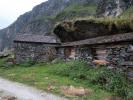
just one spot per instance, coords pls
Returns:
(114, 25)
(43, 75)
(76, 10)
(102, 81)
(111, 80)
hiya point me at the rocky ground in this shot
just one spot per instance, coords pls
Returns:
(4, 95)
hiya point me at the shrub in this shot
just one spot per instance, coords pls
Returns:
(111, 80)
(72, 69)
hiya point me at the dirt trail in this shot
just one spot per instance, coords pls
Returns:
(23, 92)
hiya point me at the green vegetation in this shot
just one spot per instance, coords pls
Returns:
(76, 10)
(111, 80)
(112, 24)
(70, 12)
(43, 75)
(128, 13)
(73, 73)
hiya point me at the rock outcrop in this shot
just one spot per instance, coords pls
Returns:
(112, 7)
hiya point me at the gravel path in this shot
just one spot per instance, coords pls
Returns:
(19, 91)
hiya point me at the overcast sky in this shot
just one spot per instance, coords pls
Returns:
(11, 9)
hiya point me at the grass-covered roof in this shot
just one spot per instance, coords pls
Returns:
(80, 28)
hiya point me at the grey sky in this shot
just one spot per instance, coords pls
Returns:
(11, 9)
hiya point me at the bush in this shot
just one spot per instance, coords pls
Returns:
(111, 80)
(72, 69)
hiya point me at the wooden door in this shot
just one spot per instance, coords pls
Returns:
(70, 52)
(67, 52)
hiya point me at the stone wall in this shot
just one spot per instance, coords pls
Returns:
(118, 54)
(60, 52)
(82, 53)
(121, 56)
(34, 52)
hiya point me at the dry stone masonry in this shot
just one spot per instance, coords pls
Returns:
(34, 52)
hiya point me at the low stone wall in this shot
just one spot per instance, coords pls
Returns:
(122, 56)
(117, 54)
(34, 52)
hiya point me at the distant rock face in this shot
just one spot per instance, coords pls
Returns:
(30, 22)
(112, 7)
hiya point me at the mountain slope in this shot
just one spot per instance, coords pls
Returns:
(41, 19)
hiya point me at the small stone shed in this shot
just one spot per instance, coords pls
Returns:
(116, 50)
(38, 48)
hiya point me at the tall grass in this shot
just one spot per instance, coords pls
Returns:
(111, 80)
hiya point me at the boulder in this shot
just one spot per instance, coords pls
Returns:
(73, 91)
(100, 62)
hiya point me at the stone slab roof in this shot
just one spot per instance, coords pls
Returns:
(30, 38)
(102, 40)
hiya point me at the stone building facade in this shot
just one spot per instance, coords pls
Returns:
(113, 50)
(36, 48)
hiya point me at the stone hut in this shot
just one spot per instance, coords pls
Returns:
(113, 50)
(38, 48)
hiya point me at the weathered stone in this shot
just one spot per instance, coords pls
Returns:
(34, 52)
(100, 62)
(73, 91)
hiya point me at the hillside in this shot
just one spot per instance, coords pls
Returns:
(43, 17)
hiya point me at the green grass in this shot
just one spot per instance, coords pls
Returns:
(71, 12)
(114, 81)
(75, 10)
(128, 13)
(36, 76)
